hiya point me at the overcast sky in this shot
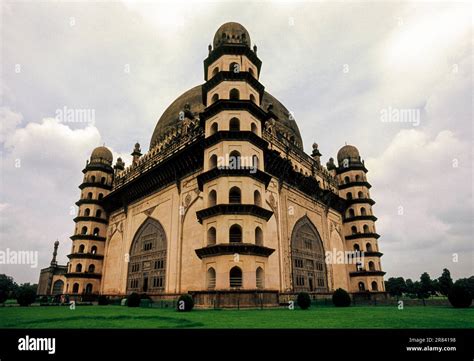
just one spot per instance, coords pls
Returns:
(337, 66)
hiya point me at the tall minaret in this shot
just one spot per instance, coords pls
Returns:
(88, 242)
(55, 253)
(233, 182)
(359, 221)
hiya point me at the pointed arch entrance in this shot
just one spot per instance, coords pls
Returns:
(308, 258)
(147, 262)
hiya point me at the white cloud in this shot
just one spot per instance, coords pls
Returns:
(423, 188)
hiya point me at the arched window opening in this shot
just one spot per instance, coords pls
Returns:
(375, 286)
(308, 258)
(89, 288)
(215, 98)
(349, 195)
(357, 177)
(78, 267)
(346, 179)
(101, 196)
(254, 162)
(211, 236)
(234, 125)
(257, 198)
(94, 249)
(214, 128)
(82, 248)
(58, 287)
(149, 244)
(211, 278)
(360, 195)
(75, 288)
(371, 266)
(96, 231)
(89, 195)
(363, 212)
(212, 199)
(102, 180)
(354, 230)
(258, 236)
(215, 71)
(234, 160)
(84, 230)
(366, 228)
(235, 196)
(235, 277)
(87, 212)
(253, 128)
(234, 94)
(356, 247)
(91, 268)
(213, 162)
(98, 213)
(235, 234)
(368, 246)
(260, 276)
(253, 99)
(93, 179)
(361, 286)
(351, 212)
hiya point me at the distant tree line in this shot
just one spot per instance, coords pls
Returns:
(25, 293)
(426, 287)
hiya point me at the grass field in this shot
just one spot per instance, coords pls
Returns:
(316, 317)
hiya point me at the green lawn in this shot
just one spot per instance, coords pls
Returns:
(316, 317)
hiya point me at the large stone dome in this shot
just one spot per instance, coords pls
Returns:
(231, 33)
(193, 97)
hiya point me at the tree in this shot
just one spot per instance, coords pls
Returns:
(26, 294)
(426, 286)
(445, 282)
(467, 283)
(410, 288)
(395, 286)
(7, 285)
(459, 296)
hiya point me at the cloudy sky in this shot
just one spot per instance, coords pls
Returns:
(337, 66)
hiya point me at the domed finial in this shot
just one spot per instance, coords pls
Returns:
(137, 152)
(209, 47)
(101, 154)
(330, 165)
(255, 49)
(316, 154)
(231, 33)
(120, 164)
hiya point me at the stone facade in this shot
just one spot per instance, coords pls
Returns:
(225, 201)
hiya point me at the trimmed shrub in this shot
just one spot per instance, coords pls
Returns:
(185, 303)
(303, 300)
(133, 300)
(340, 298)
(459, 297)
(103, 300)
(25, 296)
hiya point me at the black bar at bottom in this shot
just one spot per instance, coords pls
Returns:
(355, 344)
